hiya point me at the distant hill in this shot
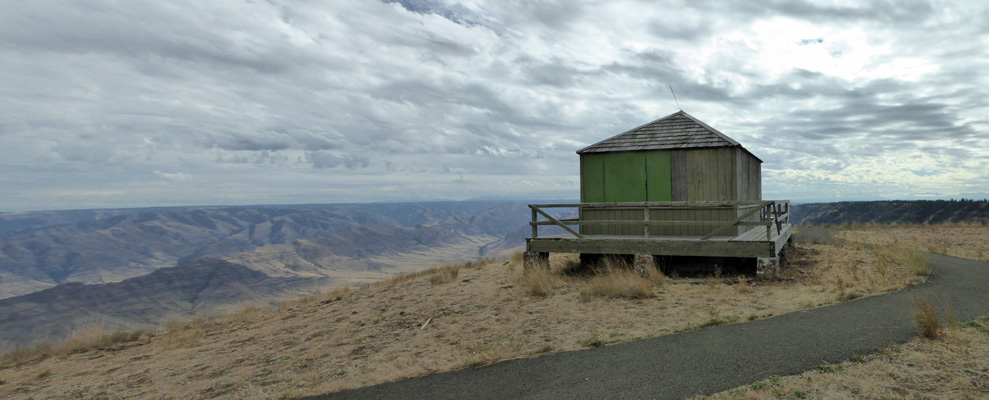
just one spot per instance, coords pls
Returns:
(201, 287)
(42, 249)
(60, 270)
(893, 212)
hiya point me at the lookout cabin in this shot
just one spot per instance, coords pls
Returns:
(672, 187)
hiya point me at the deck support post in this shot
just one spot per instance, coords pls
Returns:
(767, 268)
(535, 259)
(644, 263)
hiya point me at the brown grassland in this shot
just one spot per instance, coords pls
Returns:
(944, 362)
(448, 318)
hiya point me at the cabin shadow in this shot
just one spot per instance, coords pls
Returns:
(689, 267)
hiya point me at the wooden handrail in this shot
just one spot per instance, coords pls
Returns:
(557, 222)
(772, 212)
(737, 220)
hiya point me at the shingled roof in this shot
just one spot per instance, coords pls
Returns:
(672, 132)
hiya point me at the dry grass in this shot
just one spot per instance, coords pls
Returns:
(617, 280)
(954, 366)
(540, 282)
(445, 275)
(926, 317)
(409, 326)
(959, 240)
(94, 337)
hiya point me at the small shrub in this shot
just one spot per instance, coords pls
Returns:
(926, 317)
(800, 394)
(758, 385)
(725, 319)
(593, 342)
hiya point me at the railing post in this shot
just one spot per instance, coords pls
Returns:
(769, 222)
(779, 213)
(535, 228)
(645, 229)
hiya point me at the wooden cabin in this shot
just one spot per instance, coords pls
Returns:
(674, 158)
(673, 187)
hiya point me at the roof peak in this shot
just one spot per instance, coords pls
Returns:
(678, 130)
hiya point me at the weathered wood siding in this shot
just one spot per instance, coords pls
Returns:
(678, 165)
(711, 174)
(749, 176)
(637, 214)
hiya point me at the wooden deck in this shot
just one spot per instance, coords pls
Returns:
(758, 230)
(749, 244)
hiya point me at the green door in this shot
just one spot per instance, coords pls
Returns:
(626, 177)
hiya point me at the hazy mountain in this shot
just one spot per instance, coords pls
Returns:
(201, 287)
(118, 267)
(41, 250)
(893, 212)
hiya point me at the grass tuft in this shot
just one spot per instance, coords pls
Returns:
(446, 274)
(94, 337)
(619, 283)
(926, 317)
(34, 353)
(539, 282)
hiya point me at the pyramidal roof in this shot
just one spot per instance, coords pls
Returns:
(675, 131)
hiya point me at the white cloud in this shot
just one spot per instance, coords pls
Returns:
(284, 102)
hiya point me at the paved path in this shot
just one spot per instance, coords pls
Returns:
(709, 360)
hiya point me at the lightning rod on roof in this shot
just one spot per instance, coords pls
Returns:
(674, 97)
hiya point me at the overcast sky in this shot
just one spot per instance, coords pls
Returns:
(148, 103)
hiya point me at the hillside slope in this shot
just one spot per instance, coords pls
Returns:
(266, 254)
(201, 287)
(39, 251)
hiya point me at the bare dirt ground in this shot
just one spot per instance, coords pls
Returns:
(954, 365)
(443, 319)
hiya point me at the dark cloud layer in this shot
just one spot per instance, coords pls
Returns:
(109, 104)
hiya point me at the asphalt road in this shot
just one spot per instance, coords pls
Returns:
(709, 360)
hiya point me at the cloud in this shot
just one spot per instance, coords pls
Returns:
(322, 160)
(276, 101)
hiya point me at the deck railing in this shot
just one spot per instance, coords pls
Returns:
(771, 214)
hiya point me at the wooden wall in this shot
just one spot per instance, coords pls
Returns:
(715, 174)
(749, 176)
(632, 214)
